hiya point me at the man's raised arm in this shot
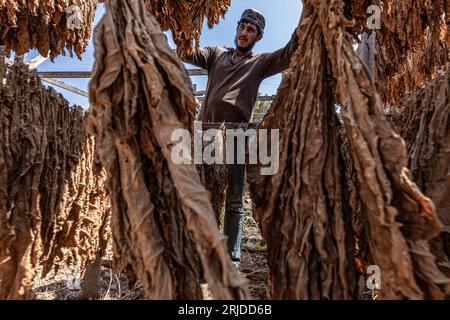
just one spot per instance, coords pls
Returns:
(201, 57)
(279, 60)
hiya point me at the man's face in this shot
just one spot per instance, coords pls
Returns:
(246, 35)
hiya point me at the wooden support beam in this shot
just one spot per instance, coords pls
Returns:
(229, 125)
(88, 74)
(66, 86)
(259, 98)
(65, 74)
(265, 98)
(199, 93)
(71, 88)
(197, 72)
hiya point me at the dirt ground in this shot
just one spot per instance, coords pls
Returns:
(66, 284)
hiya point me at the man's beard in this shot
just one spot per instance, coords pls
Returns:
(244, 49)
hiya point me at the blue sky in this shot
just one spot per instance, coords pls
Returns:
(282, 17)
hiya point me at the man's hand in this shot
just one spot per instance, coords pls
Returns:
(306, 12)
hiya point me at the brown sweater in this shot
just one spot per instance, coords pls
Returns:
(233, 83)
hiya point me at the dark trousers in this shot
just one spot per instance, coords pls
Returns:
(234, 210)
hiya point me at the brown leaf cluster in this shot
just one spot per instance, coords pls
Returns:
(424, 123)
(343, 198)
(185, 18)
(412, 43)
(163, 223)
(53, 205)
(42, 25)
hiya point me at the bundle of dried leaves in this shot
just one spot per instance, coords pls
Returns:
(53, 205)
(424, 123)
(43, 25)
(313, 210)
(412, 42)
(163, 222)
(185, 18)
(215, 176)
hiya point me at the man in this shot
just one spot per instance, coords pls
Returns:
(234, 76)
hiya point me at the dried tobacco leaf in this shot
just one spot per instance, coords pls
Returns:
(43, 25)
(163, 222)
(325, 102)
(185, 18)
(53, 205)
(412, 42)
(424, 123)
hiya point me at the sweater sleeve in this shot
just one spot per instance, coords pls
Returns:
(278, 61)
(202, 57)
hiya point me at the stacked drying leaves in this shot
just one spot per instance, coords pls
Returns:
(185, 18)
(214, 176)
(412, 42)
(163, 222)
(44, 25)
(424, 123)
(53, 207)
(324, 221)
